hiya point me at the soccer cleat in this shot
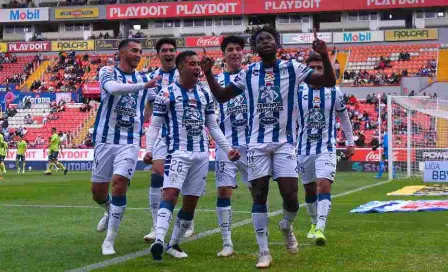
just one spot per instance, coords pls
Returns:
(65, 172)
(18, 170)
(290, 240)
(310, 234)
(189, 231)
(108, 248)
(150, 237)
(264, 260)
(102, 225)
(176, 252)
(226, 251)
(319, 237)
(23, 171)
(47, 173)
(156, 250)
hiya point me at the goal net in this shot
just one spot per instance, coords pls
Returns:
(417, 129)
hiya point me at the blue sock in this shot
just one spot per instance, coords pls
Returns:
(156, 181)
(381, 169)
(167, 205)
(223, 202)
(119, 200)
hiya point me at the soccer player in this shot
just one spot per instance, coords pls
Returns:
(3, 152)
(166, 51)
(233, 123)
(117, 135)
(318, 107)
(53, 152)
(20, 157)
(187, 109)
(384, 156)
(271, 88)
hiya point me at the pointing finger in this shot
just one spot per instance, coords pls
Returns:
(204, 51)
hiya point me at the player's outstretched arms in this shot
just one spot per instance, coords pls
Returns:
(221, 94)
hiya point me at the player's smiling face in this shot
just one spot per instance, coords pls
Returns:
(132, 54)
(266, 44)
(191, 67)
(167, 56)
(233, 55)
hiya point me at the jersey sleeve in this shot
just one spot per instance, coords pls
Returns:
(106, 74)
(339, 102)
(303, 73)
(210, 107)
(161, 103)
(238, 83)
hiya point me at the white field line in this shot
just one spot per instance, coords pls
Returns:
(144, 252)
(89, 207)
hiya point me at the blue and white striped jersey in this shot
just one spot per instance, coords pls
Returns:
(317, 119)
(233, 114)
(185, 115)
(120, 117)
(272, 97)
(166, 79)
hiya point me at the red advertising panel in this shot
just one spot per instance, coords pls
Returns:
(368, 155)
(204, 41)
(16, 47)
(291, 6)
(175, 9)
(91, 89)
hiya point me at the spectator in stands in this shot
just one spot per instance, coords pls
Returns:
(19, 131)
(101, 36)
(361, 139)
(337, 68)
(412, 93)
(39, 140)
(434, 96)
(432, 63)
(27, 103)
(24, 132)
(347, 75)
(401, 56)
(61, 106)
(368, 99)
(28, 119)
(85, 107)
(5, 123)
(407, 56)
(106, 36)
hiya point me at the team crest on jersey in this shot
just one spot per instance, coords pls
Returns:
(127, 105)
(269, 77)
(316, 119)
(165, 82)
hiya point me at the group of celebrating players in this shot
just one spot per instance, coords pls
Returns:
(276, 119)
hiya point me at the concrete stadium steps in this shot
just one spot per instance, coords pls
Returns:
(342, 57)
(442, 65)
(37, 74)
(442, 133)
(80, 137)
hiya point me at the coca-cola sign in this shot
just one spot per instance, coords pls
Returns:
(205, 41)
(16, 47)
(368, 155)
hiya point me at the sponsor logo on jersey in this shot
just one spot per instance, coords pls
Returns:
(269, 99)
(316, 119)
(127, 105)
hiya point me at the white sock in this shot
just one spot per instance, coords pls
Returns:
(260, 222)
(164, 216)
(323, 209)
(311, 207)
(225, 223)
(288, 219)
(180, 227)
(155, 195)
(115, 216)
(106, 204)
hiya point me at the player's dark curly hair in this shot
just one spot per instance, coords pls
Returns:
(313, 57)
(232, 39)
(266, 28)
(163, 41)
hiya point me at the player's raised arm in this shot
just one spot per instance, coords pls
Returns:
(221, 94)
(328, 77)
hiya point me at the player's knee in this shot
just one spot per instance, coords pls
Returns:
(119, 185)
(324, 186)
(225, 192)
(99, 191)
(157, 167)
(260, 195)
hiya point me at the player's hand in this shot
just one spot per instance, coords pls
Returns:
(152, 83)
(148, 158)
(318, 45)
(349, 151)
(206, 62)
(233, 155)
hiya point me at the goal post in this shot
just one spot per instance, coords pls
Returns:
(417, 129)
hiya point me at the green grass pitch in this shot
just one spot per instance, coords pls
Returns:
(64, 237)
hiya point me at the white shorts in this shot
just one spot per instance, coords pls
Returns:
(114, 159)
(320, 166)
(160, 149)
(278, 160)
(186, 171)
(226, 171)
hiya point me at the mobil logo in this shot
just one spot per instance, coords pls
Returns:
(357, 37)
(24, 15)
